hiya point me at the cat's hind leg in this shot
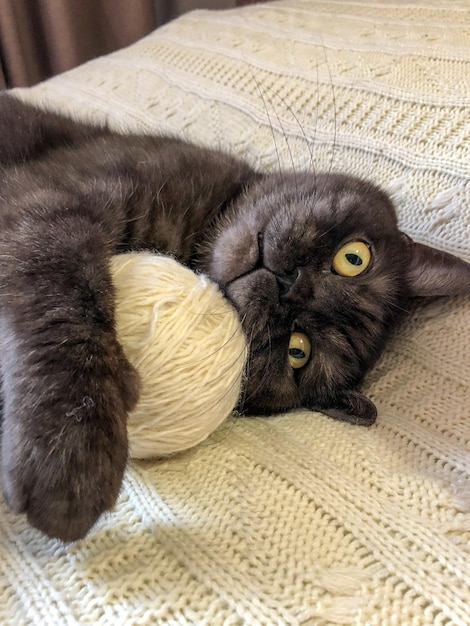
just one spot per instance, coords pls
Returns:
(26, 131)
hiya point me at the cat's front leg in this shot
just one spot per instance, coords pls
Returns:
(67, 386)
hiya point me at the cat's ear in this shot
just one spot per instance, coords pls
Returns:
(432, 272)
(353, 407)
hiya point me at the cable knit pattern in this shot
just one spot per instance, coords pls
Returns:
(296, 519)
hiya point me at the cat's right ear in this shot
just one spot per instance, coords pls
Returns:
(432, 272)
(353, 407)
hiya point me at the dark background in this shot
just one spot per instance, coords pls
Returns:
(40, 38)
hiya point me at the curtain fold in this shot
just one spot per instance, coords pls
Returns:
(39, 38)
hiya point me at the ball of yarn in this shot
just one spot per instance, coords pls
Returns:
(185, 341)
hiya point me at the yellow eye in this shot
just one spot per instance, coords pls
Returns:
(352, 259)
(299, 350)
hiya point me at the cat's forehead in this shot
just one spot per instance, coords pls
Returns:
(340, 194)
(332, 200)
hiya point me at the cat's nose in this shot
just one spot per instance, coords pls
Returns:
(286, 279)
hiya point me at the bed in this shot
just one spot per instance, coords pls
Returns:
(294, 519)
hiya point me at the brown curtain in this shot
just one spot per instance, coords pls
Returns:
(39, 38)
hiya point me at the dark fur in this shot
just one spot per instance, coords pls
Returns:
(71, 196)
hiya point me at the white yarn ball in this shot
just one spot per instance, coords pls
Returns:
(186, 342)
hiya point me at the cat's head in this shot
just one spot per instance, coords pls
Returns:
(320, 273)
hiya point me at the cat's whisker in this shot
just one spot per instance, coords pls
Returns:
(271, 127)
(314, 138)
(246, 373)
(286, 140)
(9, 257)
(335, 127)
(267, 367)
(395, 305)
(136, 218)
(290, 109)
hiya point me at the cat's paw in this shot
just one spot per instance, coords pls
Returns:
(64, 449)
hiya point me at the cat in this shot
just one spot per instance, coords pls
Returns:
(314, 264)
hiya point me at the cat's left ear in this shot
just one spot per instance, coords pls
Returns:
(432, 272)
(353, 407)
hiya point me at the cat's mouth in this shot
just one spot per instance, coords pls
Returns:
(262, 287)
(257, 263)
(251, 262)
(285, 277)
(260, 242)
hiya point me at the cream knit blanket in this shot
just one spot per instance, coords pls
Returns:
(296, 519)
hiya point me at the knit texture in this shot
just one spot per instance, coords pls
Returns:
(295, 519)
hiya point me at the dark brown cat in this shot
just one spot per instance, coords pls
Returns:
(314, 264)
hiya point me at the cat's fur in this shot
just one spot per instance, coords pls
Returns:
(70, 196)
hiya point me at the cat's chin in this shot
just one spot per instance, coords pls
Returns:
(257, 291)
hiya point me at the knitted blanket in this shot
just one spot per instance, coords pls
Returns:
(294, 519)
